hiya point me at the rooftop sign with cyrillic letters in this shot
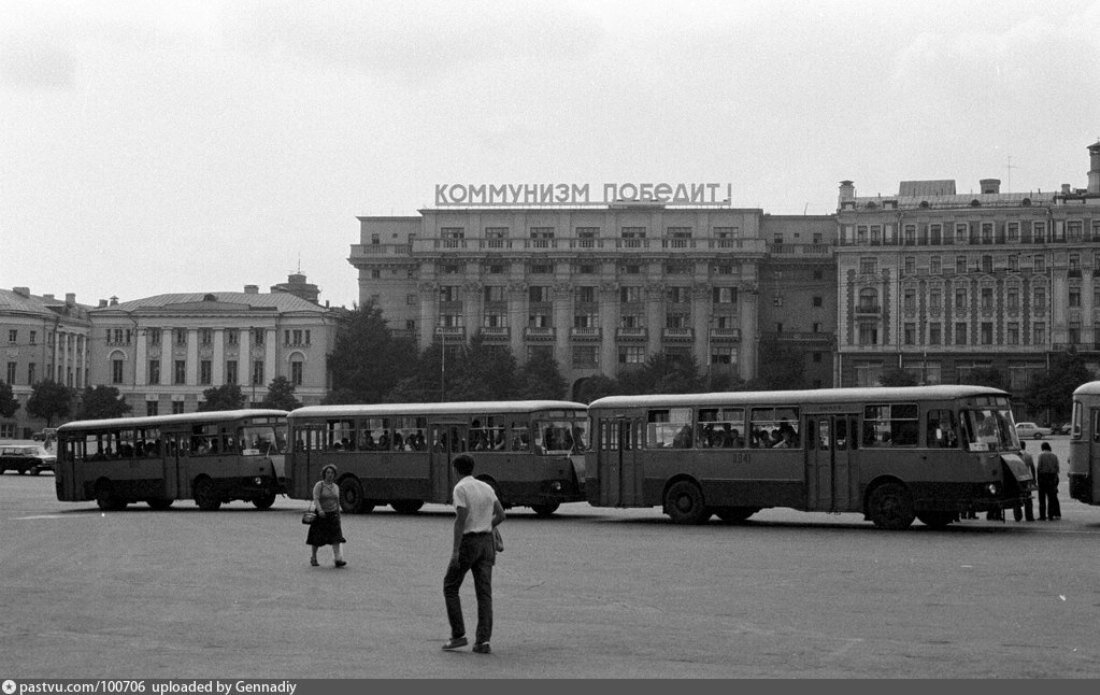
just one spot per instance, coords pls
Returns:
(511, 195)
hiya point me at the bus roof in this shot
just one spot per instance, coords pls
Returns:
(454, 408)
(815, 396)
(177, 419)
(1090, 388)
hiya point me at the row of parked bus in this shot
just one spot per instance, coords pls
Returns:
(893, 454)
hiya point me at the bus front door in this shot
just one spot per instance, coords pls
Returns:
(447, 441)
(831, 481)
(618, 470)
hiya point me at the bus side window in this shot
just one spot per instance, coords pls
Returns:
(940, 427)
(1096, 425)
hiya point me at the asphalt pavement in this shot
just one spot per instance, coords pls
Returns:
(598, 593)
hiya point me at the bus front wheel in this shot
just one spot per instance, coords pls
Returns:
(891, 506)
(545, 510)
(206, 496)
(684, 503)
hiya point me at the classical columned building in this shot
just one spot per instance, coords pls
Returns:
(941, 283)
(601, 289)
(44, 338)
(163, 351)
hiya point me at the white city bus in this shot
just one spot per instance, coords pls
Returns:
(894, 454)
(531, 452)
(1084, 444)
(211, 457)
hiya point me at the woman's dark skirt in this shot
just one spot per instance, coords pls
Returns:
(326, 530)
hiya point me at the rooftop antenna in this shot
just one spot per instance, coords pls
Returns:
(299, 262)
(1008, 180)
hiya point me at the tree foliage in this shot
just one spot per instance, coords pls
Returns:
(280, 395)
(1051, 392)
(898, 377)
(483, 372)
(226, 397)
(541, 378)
(596, 387)
(101, 403)
(8, 402)
(781, 367)
(367, 361)
(664, 373)
(50, 400)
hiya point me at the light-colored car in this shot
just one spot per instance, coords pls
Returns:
(26, 459)
(1029, 430)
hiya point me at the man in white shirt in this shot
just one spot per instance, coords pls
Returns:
(477, 513)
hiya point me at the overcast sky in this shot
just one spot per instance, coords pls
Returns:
(156, 147)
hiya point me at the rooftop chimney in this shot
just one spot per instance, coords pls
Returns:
(1094, 169)
(1066, 190)
(114, 301)
(847, 191)
(22, 291)
(70, 298)
(251, 289)
(990, 186)
(47, 298)
(102, 303)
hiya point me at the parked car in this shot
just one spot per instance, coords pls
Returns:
(1062, 428)
(45, 435)
(1029, 430)
(26, 459)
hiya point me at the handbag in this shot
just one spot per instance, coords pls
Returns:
(498, 541)
(309, 516)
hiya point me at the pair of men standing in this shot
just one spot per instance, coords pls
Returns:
(1046, 475)
(477, 513)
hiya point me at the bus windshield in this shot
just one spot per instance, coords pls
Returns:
(262, 440)
(561, 435)
(989, 429)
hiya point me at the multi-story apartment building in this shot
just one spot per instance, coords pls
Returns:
(601, 289)
(941, 283)
(43, 338)
(162, 352)
(798, 292)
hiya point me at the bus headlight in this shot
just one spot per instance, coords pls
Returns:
(555, 486)
(258, 481)
(993, 488)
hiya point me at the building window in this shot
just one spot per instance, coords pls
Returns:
(154, 371)
(179, 373)
(1039, 263)
(935, 334)
(910, 265)
(258, 336)
(987, 264)
(1012, 333)
(538, 294)
(1040, 298)
(910, 299)
(258, 373)
(231, 371)
(934, 265)
(1012, 298)
(586, 357)
(180, 336)
(868, 300)
(178, 408)
(1039, 333)
(868, 266)
(679, 295)
(31, 375)
(1075, 297)
(987, 298)
(987, 333)
(935, 298)
(586, 294)
(154, 336)
(296, 372)
(960, 298)
(868, 373)
(962, 233)
(206, 336)
(152, 408)
(868, 334)
(960, 333)
(632, 354)
(1013, 262)
(13, 335)
(723, 354)
(206, 372)
(816, 301)
(116, 371)
(375, 274)
(495, 293)
(12, 366)
(960, 265)
(1013, 229)
(724, 295)
(631, 321)
(233, 336)
(910, 334)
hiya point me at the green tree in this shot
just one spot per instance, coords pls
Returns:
(280, 395)
(596, 387)
(226, 397)
(50, 400)
(781, 367)
(367, 361)
(898, 377)
(541, 378)
(665, 373)
(101, 403)
(483, 372)
(988, 376)
(1051, 392)
(8, 402)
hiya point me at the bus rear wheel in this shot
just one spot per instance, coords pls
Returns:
(107, 499)
(936, 519)
(206, 496)
(545, 510)
(735, 515)
(890, 506)
(407, 506)
(265, 501)
(684, 503)
(352, 500)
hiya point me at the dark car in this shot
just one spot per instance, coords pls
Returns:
(25, 459)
